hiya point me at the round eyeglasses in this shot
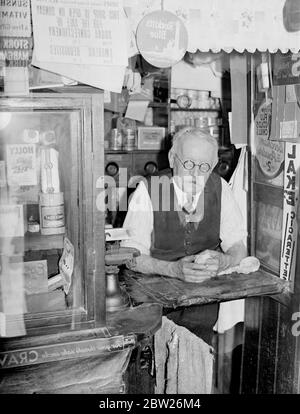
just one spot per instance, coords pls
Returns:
(189, 165)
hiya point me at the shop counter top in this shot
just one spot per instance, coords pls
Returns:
(173, 293)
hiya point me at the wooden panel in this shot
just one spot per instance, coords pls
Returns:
(139, 376)
(96, 225)
(250, 361)
(238, 68)
(80, 375)
(37, 241)
(140, 320)
(286, 375)
(273, 195)
(268, 346)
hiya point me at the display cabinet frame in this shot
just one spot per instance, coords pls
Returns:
(88, 220)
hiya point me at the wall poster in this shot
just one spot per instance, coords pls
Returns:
(74, 31)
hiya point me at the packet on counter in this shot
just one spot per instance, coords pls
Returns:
(247, 265)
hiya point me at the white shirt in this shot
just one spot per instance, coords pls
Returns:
(139, 218)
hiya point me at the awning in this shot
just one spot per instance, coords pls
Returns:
(229, 24)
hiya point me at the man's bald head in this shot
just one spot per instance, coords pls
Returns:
(191, 142)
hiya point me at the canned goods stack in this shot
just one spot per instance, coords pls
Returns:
(195, 119)
(194, 99)
(125, 139)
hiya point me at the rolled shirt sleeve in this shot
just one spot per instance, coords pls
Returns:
(232, 226)
(139, 220)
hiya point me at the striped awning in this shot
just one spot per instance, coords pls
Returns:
(230, 24)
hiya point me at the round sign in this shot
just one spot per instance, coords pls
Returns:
(269, 154)
(161, 38)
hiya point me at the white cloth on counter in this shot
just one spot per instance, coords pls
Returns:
(232, 312)
(247, 265)
(184, 362)
(139, 218)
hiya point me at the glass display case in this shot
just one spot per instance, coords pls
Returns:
(51, 232)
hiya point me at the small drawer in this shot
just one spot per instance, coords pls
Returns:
(118, 166)
(149, 163)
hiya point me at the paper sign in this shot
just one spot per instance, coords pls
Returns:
(290, 225)
(21, 164)
(286, 68)
(15, 18)
(16, 51)
(290, 93)
(36, 276)
(75, 31)
(162, 38)
(137, 110)
(288, 129)
(104, 77)
(26, 194)
(66, 264)
(12, 325)
(16, 81)
(96, 347)
(12, 287)
(11, 220)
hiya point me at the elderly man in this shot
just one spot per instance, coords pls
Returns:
(200, 234)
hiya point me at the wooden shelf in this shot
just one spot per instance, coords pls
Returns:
(158, 105)
(195, 109)
(37, 241)
(32, 241)
(135, 151)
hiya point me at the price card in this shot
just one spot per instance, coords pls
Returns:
(21, 164)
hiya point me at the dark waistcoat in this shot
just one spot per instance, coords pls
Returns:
(173, 237)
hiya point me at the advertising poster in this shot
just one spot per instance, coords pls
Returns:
(21, 164)
(290, 201)
(269, 155)
(15, 33)
(268, 185)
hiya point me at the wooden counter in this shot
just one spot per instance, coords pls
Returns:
(173, 293)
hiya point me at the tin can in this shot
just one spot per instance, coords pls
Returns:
(129, 144)
(203, 121)
(148, 120)
(212, 121)
(52, 216)
(116, 139)
(193, 95)
(214, 131)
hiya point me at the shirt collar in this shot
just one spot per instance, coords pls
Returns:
(182, 196)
